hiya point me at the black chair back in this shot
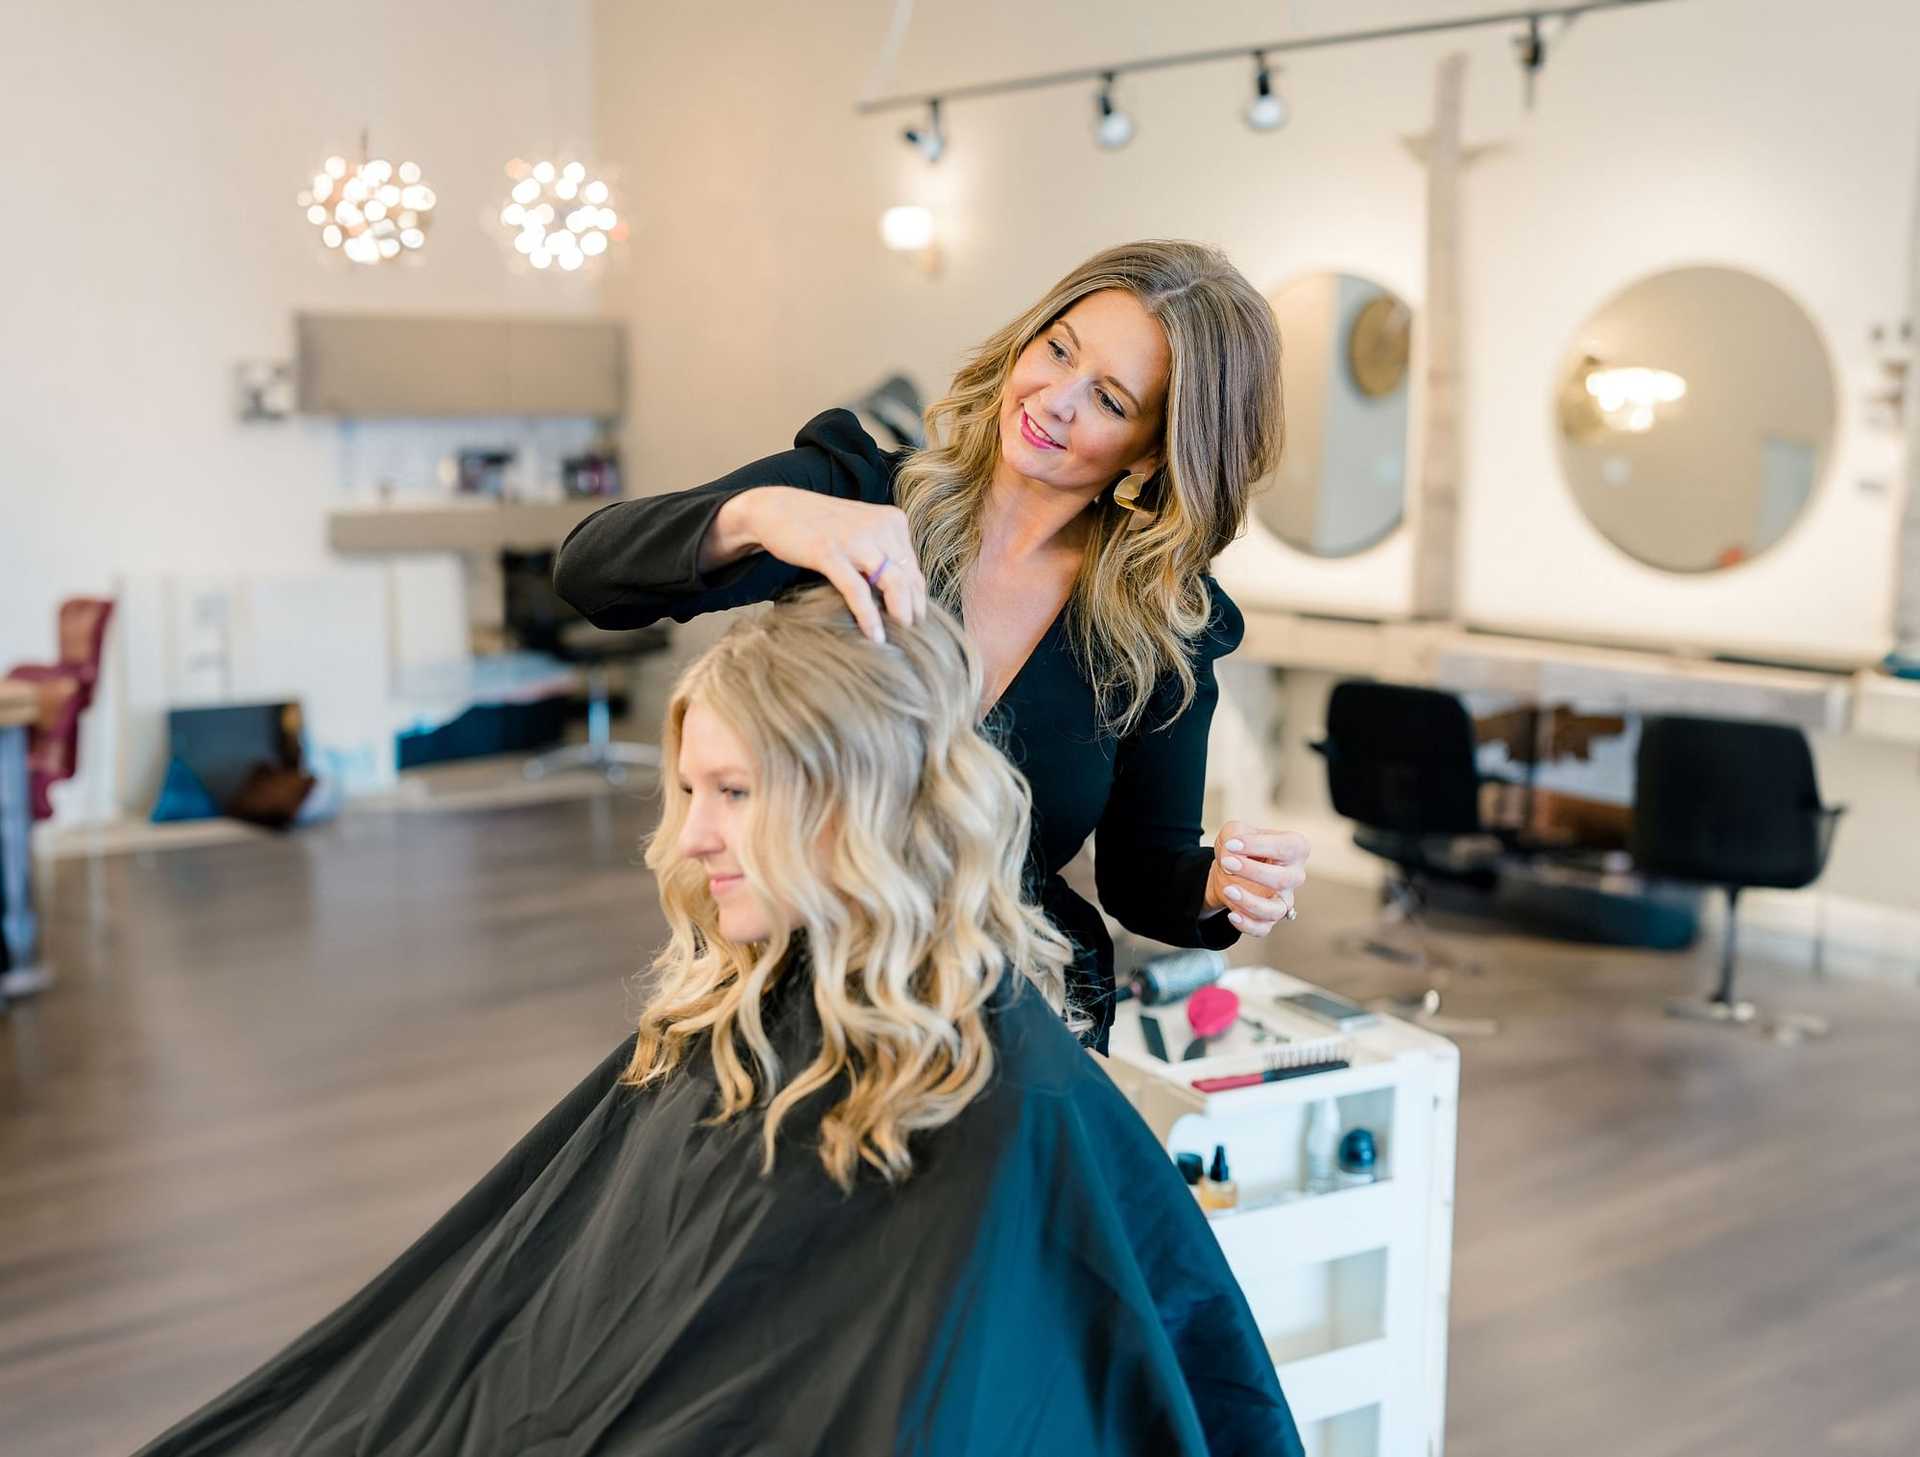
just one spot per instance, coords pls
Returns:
(1402, 759)
(535, 613)
(1728, 802)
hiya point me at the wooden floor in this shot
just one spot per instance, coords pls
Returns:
(266, 1067)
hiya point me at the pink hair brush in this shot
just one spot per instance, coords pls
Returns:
(1210, 1012)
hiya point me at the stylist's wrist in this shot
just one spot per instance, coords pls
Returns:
(735, 530)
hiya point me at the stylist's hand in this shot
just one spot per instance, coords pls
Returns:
(1254, 875)
(866, 551)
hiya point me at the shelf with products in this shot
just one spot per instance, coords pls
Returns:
(1347, 1272)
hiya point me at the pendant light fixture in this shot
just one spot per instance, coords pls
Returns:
(558, 215)
(371, 212)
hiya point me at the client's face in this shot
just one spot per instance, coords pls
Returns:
(717, 779)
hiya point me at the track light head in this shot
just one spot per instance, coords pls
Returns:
(1112, 127)
(930, 140)
(1268, 111)
(1530, 50)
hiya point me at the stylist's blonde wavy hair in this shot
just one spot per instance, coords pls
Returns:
(1138, 601)
(890, 832)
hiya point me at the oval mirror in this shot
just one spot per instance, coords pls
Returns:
(1695, 412)
(1346, 347)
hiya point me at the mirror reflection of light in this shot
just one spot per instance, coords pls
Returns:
(1630, 396)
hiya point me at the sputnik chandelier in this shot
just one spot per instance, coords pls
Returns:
(558, 215)
(373, 212)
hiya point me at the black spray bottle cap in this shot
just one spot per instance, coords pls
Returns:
(1218, 1173)
(1192, 1166)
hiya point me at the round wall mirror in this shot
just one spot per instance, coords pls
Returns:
(1340, 486)
(1695, 415)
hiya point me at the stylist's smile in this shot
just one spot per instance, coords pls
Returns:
(721, 884)
(1035, 436)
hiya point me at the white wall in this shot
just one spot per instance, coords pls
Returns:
(1762, 134)
(156, 151)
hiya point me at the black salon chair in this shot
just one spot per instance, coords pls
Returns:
(541, 622)
(1733, 804)
(1401, 765)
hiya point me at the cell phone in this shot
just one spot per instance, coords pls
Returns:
(1334, 1011)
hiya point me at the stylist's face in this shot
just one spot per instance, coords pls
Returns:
(1085, 402)
(717, 782)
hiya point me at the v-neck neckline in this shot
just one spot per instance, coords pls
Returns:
(1033, 652)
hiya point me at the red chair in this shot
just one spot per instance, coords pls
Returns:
(66, 690)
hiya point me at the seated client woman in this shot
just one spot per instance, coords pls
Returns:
(852, 1187)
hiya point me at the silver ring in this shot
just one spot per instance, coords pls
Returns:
(873, 577)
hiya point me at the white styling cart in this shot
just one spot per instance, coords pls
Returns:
(1350, 1287)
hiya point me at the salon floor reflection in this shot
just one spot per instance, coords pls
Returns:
(267, 1066)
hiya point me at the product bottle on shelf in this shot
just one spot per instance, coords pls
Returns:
(1323, 1144)
(1358, 1159)
(1218, 1192)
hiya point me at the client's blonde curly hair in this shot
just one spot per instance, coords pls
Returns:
(890, 831)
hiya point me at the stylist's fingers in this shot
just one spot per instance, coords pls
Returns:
(897, 585)
(906, 566)
(1262, 876)
(1254, 906)
(1284, 847)
(851, 585)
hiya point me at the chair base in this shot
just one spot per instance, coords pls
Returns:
(611, 760)
(1424, 1011)
(1402, 903)
(1789, 1029)
(1726, 1013)
(24, 981)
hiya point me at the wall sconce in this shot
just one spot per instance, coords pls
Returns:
(909, 230)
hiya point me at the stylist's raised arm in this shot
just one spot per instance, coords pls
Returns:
(862, 550)
(822, 511)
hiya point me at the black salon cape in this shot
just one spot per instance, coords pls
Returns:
(1137, 795)
(626, 1281)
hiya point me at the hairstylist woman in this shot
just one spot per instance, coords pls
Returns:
(1090, 461)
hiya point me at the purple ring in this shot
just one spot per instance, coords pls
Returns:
(873, 577)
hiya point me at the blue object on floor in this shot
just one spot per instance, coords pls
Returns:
(183, 796)
(1902, 666)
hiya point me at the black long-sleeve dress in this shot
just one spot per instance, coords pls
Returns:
(1139, 796)
(627, 1283)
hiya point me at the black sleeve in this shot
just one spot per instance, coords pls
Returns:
(634, 562)
(1148, 863)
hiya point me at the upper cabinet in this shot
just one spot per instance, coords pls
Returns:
(352, 364)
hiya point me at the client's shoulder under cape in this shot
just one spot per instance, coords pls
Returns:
(626, 1280)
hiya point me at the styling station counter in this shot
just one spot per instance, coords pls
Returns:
(1832, 699)
(1349, 1286)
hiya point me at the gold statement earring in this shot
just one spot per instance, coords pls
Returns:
(1127, 495)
